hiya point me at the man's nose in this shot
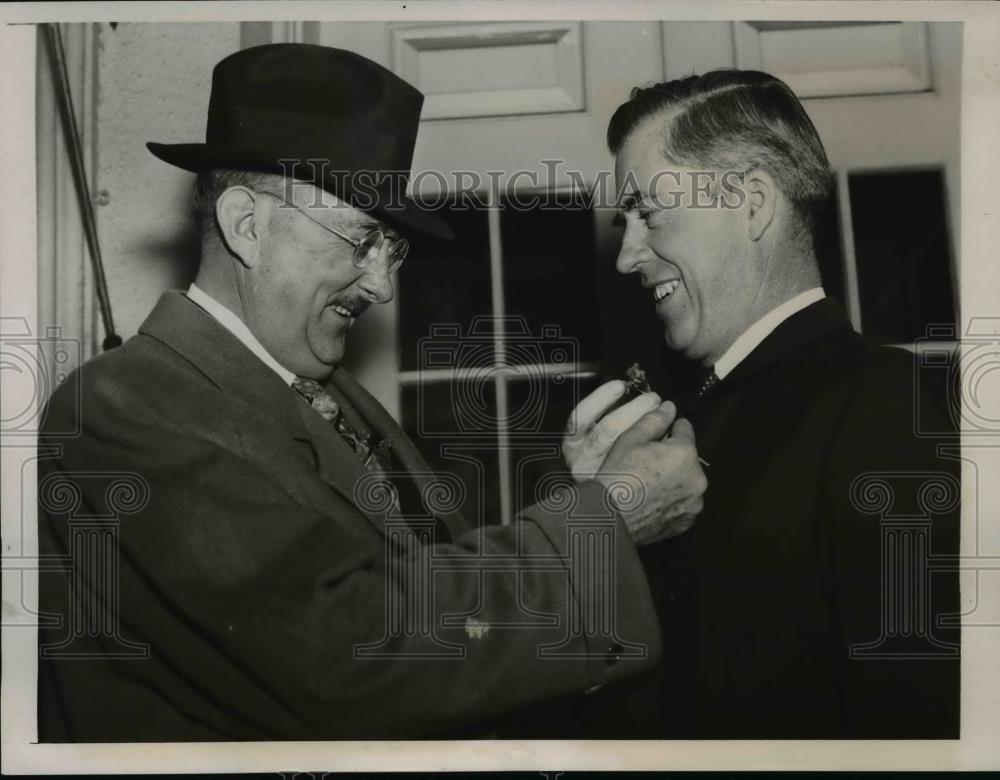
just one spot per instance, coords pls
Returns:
(376, 280)
(634, 250)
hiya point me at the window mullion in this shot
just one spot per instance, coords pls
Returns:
(499, 357)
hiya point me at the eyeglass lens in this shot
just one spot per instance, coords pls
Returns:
(370, 245)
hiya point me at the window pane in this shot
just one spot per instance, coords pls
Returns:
(444, 282)
(535, 457)
(902, 247)
(829, 252)
(550, 272)
(436, 417)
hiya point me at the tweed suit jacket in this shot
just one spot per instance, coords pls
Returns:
(257, 594)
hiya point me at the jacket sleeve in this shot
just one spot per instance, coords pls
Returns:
(892, 515)
(268, 619)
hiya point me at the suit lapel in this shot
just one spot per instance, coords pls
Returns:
(337, 464)
(193, 333)
(795, 333)
(198, 337)
(710, 413)
(386, 428)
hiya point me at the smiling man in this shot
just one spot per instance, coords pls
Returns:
(791, 612)
(233, 513)
(284, 288)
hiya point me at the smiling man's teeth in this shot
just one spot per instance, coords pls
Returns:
(661, 291)
(342, 311)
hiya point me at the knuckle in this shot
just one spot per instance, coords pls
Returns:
(600, 433)
(650, 415)
(651, 401)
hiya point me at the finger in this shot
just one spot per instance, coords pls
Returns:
(651, 426)
(613, 424)
(682, 429)
(670, 409)
(675, 528)
(590, 409)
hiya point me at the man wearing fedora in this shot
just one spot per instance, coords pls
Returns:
(256, 574)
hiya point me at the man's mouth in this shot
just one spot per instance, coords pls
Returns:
(665, 289)
(349, 311)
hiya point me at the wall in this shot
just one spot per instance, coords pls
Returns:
(154, 83)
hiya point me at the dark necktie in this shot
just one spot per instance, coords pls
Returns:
(688, 402)
(373, 458)
(710, 380)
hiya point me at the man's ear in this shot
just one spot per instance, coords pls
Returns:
(239, 223)
(762, 201)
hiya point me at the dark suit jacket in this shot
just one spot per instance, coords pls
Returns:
(796, 557)
(238, 553)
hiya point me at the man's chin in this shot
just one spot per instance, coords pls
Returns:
(326, 357)
(676, 341)
(686, 347)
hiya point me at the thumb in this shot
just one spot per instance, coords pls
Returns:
(652, 426)
(670, 409)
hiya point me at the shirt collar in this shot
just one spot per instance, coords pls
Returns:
(762, 328)
(238, 328)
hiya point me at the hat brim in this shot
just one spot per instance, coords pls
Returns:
(199, 157)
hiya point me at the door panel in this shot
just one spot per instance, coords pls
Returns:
(883, 97)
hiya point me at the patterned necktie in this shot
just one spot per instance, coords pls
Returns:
(320, 400)
(711, 380)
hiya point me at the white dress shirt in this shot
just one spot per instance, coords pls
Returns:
(238, 328)
(762, 328)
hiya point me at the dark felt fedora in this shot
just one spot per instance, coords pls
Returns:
(355, 120)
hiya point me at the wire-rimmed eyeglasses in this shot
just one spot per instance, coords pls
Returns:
(367, 248)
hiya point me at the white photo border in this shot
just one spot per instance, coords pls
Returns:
(980, 282)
